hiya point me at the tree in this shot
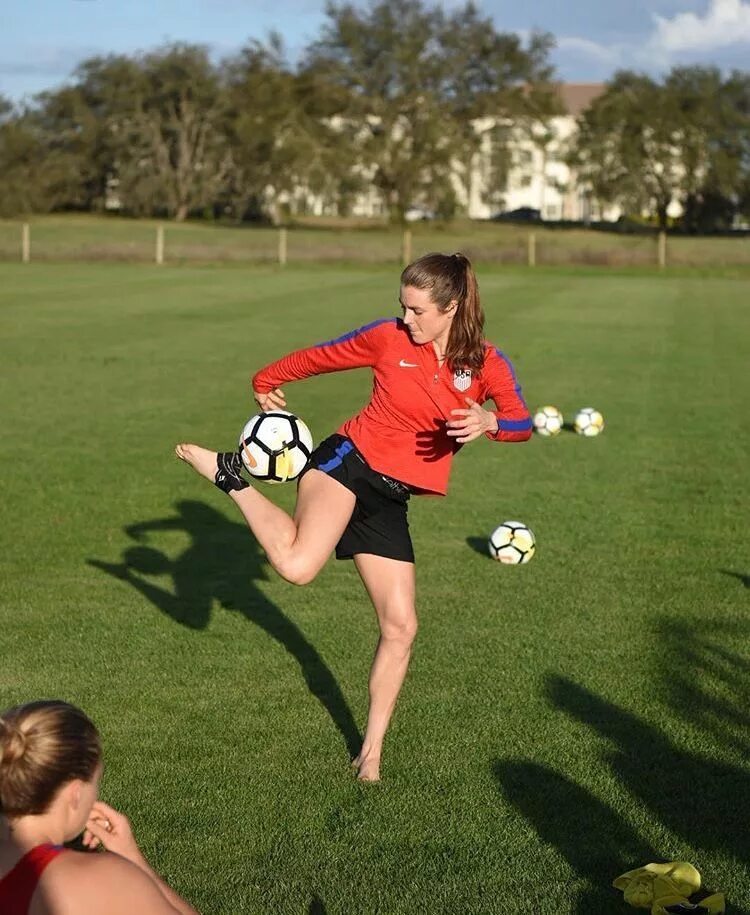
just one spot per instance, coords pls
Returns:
(147, 126)
(282, 132)
(17, 149)
(417, 82)
(496, 90)
(386, 63)
(108, 90)
(625, 148)
(177, 159)
(38, 172)
(644, 145)
(714, 144)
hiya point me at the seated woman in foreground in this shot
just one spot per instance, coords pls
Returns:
(50, 767)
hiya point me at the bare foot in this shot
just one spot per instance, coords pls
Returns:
(200, 459)
(369, 769)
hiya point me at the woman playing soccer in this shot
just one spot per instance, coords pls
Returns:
(432, 371)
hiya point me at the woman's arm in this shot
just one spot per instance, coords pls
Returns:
(111, 829)
(512, 419)
(356, 349)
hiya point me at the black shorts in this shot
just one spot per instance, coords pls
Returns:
(378, 523)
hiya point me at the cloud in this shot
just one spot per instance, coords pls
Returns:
(726, 22)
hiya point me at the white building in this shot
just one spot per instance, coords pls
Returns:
(538, 177)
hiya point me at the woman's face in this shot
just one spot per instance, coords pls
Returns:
(422, 318)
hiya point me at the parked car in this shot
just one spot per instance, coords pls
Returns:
(521, 214)
(416, 214)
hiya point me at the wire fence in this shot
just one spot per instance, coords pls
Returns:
(58, 239)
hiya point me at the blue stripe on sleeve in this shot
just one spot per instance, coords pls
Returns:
(514, 425)
(355, 333)
(507, 361)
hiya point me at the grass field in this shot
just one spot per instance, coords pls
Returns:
(562, 721)
(83, 237)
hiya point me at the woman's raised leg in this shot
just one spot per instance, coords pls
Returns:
(298, 547)
(391, 586)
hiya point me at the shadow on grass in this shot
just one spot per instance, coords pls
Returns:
(223, 563)
(316, 906)
(698, 797)
(702, 800)
(596, 843)
(479, 545)
(745, 579)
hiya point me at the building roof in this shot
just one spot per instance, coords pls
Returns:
(576, 97)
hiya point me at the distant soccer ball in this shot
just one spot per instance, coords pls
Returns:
(589, 422)
(512, 543)
(548, 421)
(275, 446)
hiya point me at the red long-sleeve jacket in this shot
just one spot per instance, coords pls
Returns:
(402, 432)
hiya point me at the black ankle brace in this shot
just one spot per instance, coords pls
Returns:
(228, 475)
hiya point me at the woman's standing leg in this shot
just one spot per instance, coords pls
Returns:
(391, 586)
(296, 547)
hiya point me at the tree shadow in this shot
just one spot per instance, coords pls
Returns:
(709, 684)
(597, 844)
(223, 562)
(316, 906)
(702, 800)
(745, 579)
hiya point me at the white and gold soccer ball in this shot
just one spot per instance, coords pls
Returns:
(275, 446)
(589, 422)
(512, 543)
(548, 421)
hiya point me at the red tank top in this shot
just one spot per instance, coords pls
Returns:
(18, 885)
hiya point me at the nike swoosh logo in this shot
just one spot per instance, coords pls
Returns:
(408, 365)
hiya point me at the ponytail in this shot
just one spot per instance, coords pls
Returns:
(450, 278)
(43, 745)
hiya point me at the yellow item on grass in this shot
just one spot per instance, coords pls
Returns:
(657, 886)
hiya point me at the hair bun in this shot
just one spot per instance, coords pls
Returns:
(13, 743)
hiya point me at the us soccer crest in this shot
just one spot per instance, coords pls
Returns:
(462, 379)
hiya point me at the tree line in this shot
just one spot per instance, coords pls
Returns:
(394, 100)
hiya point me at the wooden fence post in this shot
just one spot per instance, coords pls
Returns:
(25, 243)
(282, 247)
(406, 248)
(662, 249)
(160, 245)
(532, 249)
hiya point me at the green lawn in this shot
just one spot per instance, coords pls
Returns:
(85, 237)
(562, 721)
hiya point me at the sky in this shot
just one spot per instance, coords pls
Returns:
(42, 41)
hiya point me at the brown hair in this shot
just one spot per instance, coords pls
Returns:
(450, 278)
(43, 745)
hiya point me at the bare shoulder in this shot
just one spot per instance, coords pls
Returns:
(81, 883)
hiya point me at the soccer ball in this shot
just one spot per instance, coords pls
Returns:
(589, 421)
(548, 421)
(512, 543)
(275, 446)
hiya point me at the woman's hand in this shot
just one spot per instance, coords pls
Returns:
(472, 422)
(111, 829)
(273, 400)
